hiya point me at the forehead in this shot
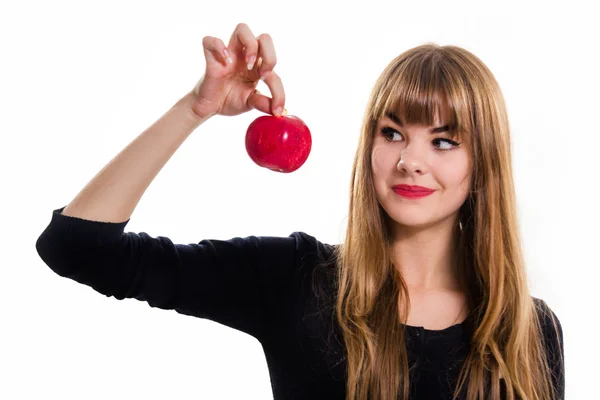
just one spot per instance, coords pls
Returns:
(438, 121)
(417, 114)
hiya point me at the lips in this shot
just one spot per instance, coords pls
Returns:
(413, 189)
(412, 192)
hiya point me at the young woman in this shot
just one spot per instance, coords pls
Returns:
(427, 297)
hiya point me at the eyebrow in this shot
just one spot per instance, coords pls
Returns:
(439, 129)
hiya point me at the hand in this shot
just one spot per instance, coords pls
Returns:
(228, 86)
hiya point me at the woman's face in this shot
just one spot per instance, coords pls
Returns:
(419, 155)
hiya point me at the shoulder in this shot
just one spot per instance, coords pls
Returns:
(309, 239)
(310, 248)
(549, 321)
(315, 260)
(551, 330)
(553, 344)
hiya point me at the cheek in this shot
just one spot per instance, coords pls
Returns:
(381, 160)
(454, 172)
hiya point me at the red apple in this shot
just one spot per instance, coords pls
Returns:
(281, 144)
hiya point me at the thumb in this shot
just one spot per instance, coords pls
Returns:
(259, 101)
(215, 51)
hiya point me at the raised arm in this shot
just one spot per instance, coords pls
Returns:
(235, 282)
(228, 87)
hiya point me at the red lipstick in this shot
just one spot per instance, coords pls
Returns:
(412, 191)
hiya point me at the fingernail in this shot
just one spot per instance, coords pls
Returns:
(227, 56)
(264, 75)
(251, 62)
(277, 111)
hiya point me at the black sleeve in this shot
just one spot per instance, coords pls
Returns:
(234, 282)
(553, 336)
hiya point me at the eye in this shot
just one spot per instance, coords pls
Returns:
(387, 131)
(442, 144)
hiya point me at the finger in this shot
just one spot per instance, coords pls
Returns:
(276, 87)
(266, 51)
(244, 44)
(260, 102)
(215, 50)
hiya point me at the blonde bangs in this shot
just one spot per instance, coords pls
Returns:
(425, 88)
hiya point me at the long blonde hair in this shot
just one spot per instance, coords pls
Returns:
(507, 337)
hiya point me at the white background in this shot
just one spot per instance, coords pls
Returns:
(80, 80)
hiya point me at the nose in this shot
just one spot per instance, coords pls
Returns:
(411, 162)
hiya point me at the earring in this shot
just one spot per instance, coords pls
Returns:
(460, 225)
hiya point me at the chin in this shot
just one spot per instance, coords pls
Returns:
(414, 221)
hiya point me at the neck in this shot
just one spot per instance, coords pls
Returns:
(426, 256)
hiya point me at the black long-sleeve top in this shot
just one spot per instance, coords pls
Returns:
(263, 286)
